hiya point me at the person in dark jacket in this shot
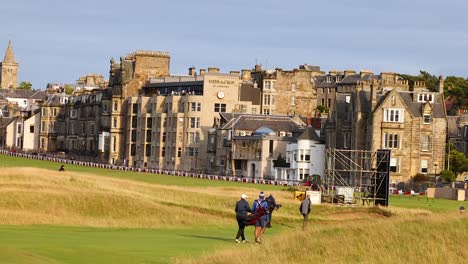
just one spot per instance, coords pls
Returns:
(271, 207)
(305, 210)
(242, 208)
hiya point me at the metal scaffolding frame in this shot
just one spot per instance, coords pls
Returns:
(363, 170)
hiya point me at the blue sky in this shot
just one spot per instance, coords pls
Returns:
(58, 41)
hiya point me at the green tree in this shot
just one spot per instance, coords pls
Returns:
(457, 87)
(68, 89)
(458, 162)
(447, 176)
(25, 86)
(430, 80)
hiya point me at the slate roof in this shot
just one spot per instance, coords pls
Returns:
(438, 110)
(254, 122)
(19, 93)
(309, 134)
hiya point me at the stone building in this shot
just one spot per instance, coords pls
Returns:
(51, 115)
(286, 92)
(380, 112)
(9, 69)
(168, 126)
(249, 145)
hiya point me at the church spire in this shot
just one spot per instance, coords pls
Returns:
(9, 55)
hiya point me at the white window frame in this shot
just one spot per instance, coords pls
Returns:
(424, 166)
(425, 142)
(391, 140)
(395, 162)
(428, 118)
(425, 97)
(394, 115)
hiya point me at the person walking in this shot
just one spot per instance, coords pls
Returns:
(242, 208)
(305, 210)
(260, 225)
(271, 207)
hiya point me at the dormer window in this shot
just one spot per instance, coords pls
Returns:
(425, 97)
(427, 119)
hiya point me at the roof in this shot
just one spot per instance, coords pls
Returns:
(309, 134)
(415, 107)
(9, 55)
(249, 122)
(20, 93)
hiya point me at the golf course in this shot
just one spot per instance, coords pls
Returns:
(94, 215)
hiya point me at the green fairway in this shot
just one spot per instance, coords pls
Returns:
(54, 244)
(9, 161)
(421, 202)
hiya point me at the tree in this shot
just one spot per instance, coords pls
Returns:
(25, 86)
(68, 89)
(458, 162)
(447, 176)
(430, 80)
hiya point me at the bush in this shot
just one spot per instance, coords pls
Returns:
(447, 176)
(419, 177)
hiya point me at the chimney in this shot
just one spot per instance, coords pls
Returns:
(246, 75)
(202, 72)
(234, 72)
(192, 71)
(374, 88)
(349, 72)
(440, 84)
(366, 72)
(333, 72)
(213, 70)
(258, 67)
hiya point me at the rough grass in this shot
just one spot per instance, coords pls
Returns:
(405, 238)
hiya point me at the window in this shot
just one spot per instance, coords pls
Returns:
(44, 112)
(114, 143)
(328, 103)
(134, 135)
(43, 126)
(267, 85)
(72, 113)
(195, 107)
(31, 129)
(268, 99)
(133, 150)
(148, 136)
(220, 108)
(105, 107)
(134, 121)
(163, 151)
(114, 122)
(391, 141)
(54, 112)
(395, 165)
(148, 150)
(393, 115)
(425, 142)
(135, 109)
(424, 164)
(192, 151)
(293, 87)
(42, 143)
(194, 122)
(266, 111)
(426, 97)
(164, 137)
(115, 106)
(347, 140)
(427, 119)
(19, 128)
(149, 122)
(293, 100)
(323, 101)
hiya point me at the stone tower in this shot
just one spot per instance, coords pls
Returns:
(9, 69)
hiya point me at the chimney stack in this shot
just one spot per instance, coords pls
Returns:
(213, 70)
(440, 84)
(202, 72)
(192, 71)
(246, 75)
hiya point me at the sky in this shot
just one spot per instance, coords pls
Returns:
(57, 41)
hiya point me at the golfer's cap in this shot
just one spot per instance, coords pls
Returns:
(261, 194)
(243, 196)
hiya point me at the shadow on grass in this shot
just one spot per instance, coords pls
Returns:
(208, 237)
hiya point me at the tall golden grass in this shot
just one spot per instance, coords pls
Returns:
(38, 196)
(402, 238)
